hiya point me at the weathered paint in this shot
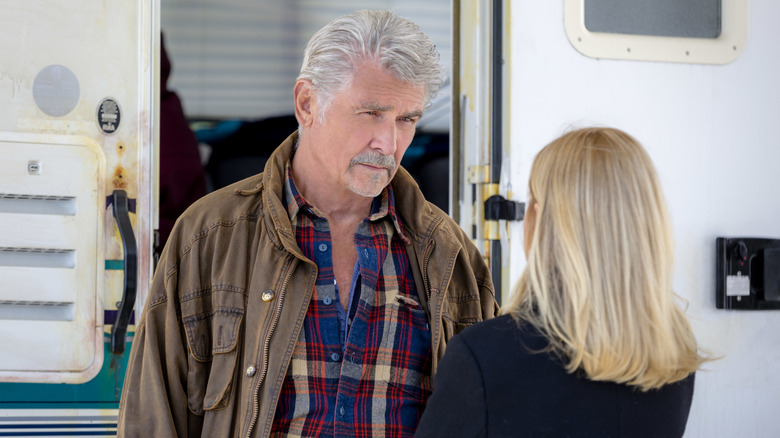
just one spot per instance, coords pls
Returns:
(471, 53)
(102, 392)
(474, 109)
(119, 181)
(111, 53)
(66, 349)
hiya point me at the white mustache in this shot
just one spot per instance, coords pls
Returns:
(374, 159)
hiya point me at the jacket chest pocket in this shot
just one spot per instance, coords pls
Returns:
(408, 339)
(212, 338)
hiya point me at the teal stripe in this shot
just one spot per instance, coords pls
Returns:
(115, 265)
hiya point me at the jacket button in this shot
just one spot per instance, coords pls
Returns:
(268, 295)
(250, 371)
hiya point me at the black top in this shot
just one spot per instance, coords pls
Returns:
(493, 381)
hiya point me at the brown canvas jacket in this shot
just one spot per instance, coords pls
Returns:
(229, 296)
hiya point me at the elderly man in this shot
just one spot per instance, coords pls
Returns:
(317, 297)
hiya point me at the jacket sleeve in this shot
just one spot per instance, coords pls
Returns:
(487, 296)
(457, 407)
(154, 399)
(468, 296)
(484, 280)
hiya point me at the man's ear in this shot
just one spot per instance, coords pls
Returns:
(304, 101)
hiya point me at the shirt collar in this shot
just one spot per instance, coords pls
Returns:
(382, 206)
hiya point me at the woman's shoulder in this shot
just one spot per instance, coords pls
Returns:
(500, 333)
(500, 323)
(503, 324)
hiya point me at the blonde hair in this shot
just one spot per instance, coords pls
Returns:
(598, 283)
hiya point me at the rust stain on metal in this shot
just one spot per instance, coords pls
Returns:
(114, 370)
(120, 178)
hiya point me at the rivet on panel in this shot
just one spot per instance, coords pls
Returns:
(34, 167)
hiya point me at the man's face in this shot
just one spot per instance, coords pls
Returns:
(366, 130)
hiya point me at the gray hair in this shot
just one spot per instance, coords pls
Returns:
(397, 44)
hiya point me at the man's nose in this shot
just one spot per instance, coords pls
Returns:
(385, 137)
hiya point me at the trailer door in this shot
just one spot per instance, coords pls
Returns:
(78, 129)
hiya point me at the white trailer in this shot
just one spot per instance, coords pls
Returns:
(696, 85)
(78, 134)
(706, 108)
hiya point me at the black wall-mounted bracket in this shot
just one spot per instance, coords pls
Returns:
(747, 273)
(499, 208)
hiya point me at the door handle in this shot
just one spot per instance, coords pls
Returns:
(125, 307)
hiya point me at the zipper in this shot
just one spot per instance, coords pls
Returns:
(266, 348)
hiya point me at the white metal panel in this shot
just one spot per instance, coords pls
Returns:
(39, 231)
(51, 262)
(28, 352)
(30, 284)
(713, 135)
(63, 64)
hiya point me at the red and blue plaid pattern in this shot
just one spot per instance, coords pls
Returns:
(377, 382)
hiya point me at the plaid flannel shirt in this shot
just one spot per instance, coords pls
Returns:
(367, 373)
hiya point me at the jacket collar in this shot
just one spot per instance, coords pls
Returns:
(416, 214)
(382, 206)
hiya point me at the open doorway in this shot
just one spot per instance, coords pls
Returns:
(235, 64)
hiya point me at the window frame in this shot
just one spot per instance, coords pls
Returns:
(721, 50)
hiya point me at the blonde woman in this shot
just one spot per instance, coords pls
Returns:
(594, 342)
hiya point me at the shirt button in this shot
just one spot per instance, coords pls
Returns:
(335, 357)
(341, 411)
(268, 295)
(327, 301)
(250, 371)
(323, 247)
